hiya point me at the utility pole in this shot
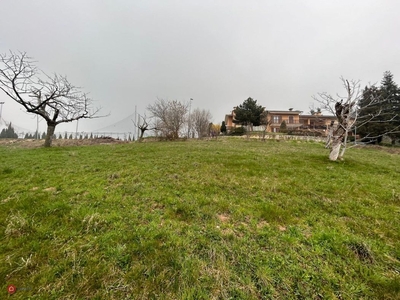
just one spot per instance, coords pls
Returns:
(37, 127)
(189, 121)
(137, 121)
(1, 110)
(76, 130)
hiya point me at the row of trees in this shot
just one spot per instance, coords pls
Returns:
(8, 133)
(173, 119)
(66, 136)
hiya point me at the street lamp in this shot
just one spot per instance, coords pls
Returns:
(1, 109)
(189, 123)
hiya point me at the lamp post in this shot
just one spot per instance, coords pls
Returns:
(76, 131)
(189, 122)
(1, 109)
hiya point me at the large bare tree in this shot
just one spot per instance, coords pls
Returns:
(53, 98)
(170, 116)
(200, 120)
(347, 110)
(344, 110)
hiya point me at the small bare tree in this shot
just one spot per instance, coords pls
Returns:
(143, 125)
(54, 99)
(265, 122)
(200, 119)
(214, 130)
(170, 116)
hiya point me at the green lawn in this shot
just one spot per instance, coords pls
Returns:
(225, 219)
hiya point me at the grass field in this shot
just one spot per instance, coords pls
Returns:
(225, 219)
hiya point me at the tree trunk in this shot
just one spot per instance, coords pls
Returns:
(338, 136)
(336, 141)
(49, 136)
(335, 150)
(141, 135)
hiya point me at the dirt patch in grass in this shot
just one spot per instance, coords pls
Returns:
(223, 218)
(31, 143)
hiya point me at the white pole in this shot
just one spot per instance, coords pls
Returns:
(37, 127)
(135, 123)
(1, 110)
(189, 122)
(76, 130)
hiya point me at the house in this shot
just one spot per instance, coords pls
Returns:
(294, 120)
(229, 120)
(276, 117)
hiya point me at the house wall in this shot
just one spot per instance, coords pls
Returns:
(276, 118)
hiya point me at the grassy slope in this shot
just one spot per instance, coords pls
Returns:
(199, 220)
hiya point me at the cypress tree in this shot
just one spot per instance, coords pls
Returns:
(8, 133)
(223, 127)
(283, 127)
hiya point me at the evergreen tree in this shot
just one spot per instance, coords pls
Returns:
(43, 136)
(248, 113)
(70, 136)
(223, 127)
(60, 136)
(283, 127)
(66, 135)
(391, 109)
(379, 111)
(368, 125)
(26, 136)
(8, 133)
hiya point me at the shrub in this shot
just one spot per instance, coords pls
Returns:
(238, 131)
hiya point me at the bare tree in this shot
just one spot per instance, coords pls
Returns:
(214, 130)
(170, 116)
(265, 122)
(200, 119)
(143, 126)
(55, 99)
(347, 110)
(344, 110)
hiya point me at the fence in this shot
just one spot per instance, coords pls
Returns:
(125, 136)
(287, 137)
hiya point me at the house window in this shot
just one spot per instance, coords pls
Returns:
(277, 119)
(291, 120)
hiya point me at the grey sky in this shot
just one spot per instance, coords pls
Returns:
(219, 53)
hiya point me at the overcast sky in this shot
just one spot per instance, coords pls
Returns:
(127, 53)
